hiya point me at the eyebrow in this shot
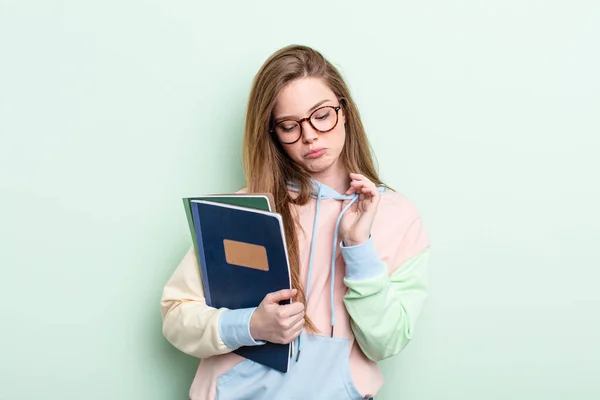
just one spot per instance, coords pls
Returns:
(309, 111)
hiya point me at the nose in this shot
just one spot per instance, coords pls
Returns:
(309, 134)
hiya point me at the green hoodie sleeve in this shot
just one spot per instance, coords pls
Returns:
(384, 306)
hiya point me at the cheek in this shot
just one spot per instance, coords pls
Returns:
(338, 136)
(294, 151)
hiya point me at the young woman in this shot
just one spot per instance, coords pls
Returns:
(358, 251)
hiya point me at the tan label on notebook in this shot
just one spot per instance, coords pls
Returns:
(246, 255)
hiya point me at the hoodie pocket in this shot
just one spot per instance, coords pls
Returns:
(322, 372)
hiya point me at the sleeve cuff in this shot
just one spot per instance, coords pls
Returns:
(234, 328)
(362, 261)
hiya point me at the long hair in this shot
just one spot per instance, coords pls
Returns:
(268, 168)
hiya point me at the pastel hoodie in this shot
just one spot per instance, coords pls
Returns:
(364, 300)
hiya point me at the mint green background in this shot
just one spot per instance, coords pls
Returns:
(486, 114)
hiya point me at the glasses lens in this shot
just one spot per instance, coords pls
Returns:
(324, 119)
(287, 131)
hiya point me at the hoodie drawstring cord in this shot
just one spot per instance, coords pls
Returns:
(319, 197)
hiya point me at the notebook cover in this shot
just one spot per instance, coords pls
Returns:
(243, 256)
(260, 201)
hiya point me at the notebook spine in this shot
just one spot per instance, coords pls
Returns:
(201, 256)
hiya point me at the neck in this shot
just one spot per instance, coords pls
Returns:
(336, 177)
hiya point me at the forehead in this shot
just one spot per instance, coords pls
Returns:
(300, 95)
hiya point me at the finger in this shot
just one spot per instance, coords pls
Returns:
(369, 191)
(290, 310)
(296, 317)
(360, 178)
(280, 295)
(357, 186)
(298, 326)
(356, 176)
(374, 191)
(371, 203)
(369, 188)
(364, 183)
(289, 335)
(285, 321)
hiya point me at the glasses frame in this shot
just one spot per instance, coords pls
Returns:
(300, 121)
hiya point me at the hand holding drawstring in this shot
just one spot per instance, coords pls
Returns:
(355, 226)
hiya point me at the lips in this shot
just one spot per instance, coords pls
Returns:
(316, 153)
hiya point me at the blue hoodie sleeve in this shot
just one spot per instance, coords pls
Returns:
(234, 328)
(362, 261)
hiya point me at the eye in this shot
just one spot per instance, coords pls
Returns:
(322, 114)
(287, 126)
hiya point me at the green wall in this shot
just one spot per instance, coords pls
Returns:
(484, 113)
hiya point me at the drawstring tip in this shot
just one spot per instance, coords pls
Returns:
(331, 330)
(298, 356)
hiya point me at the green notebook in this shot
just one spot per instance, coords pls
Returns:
(260, 201)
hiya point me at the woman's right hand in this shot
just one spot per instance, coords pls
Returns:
(277, 323)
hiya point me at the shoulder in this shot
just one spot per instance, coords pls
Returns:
(396, 204)
(399, 227)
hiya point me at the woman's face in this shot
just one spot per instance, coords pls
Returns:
(317, 152)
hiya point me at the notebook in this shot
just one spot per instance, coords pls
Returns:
(261, 201)
(243, 256)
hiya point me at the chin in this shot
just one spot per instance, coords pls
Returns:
(317, 166)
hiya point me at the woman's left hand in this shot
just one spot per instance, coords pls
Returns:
(355, 226)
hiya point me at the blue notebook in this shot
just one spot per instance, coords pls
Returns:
(261, 201)
(243, 257)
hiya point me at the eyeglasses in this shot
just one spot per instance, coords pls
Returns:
(323, 120)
